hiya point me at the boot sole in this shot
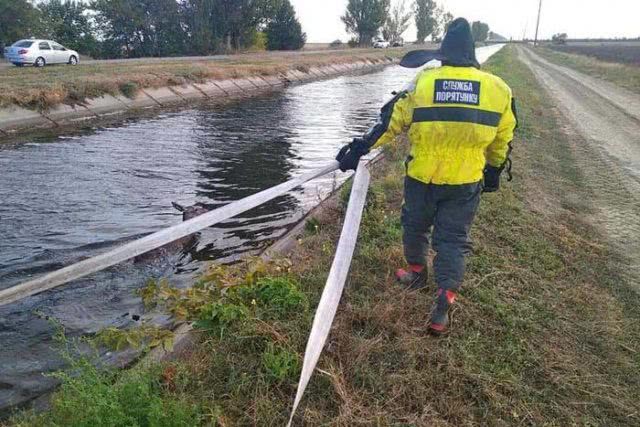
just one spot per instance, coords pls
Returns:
(447, 331)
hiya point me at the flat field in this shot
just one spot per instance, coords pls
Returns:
(625, 52)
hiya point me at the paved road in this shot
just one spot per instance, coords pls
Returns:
(606, 121)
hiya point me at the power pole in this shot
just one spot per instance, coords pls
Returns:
(535, 43)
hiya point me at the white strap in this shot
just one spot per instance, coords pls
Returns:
(154, 241)
(335, 283)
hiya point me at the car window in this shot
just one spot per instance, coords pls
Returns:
(44, 46)
(23, 43)
(56, 46)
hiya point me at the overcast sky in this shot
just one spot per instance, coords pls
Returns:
(578, 18)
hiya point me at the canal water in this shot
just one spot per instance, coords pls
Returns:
(69, 197)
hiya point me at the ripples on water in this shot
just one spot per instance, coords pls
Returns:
(70, 197)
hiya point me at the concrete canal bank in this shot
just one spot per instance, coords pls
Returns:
(15, 119)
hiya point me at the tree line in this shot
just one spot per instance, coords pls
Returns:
(142, 28)
(366, 19)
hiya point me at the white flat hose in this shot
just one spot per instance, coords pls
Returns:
(335, 282)
(154, 241)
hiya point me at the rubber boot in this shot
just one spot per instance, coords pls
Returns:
(415, 278)
(440, 315)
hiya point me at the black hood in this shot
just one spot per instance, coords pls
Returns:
(458, 49)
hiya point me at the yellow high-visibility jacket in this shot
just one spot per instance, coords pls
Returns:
(458, 120)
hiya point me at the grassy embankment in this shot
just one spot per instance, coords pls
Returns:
(546, 332)
(626, 76)
(42, 88)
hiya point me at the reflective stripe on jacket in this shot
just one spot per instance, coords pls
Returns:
(458, 119)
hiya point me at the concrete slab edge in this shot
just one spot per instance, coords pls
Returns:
(143, 91)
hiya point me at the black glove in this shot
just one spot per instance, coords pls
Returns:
(492, 179)
(350, 155)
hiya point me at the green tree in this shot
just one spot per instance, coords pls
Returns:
(480, 31)
(364, 18)
(68, 23)
(397, 22)
(134, 28)
(18, 20)
(426, 18)
(284, 31)
(560, 38)
(238, 20)
(202, 35)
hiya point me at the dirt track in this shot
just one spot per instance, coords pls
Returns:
(604, 121)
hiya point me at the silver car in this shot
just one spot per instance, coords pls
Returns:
(40, 53)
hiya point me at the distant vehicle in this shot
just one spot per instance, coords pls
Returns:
(40, 53)
(398, 43)
(381, 44)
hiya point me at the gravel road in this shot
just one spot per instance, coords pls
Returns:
(605, 120)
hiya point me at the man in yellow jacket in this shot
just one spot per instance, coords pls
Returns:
(460, 122)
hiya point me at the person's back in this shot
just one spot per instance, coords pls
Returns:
(460, 122)
(456, 118)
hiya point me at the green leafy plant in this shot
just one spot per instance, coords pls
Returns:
(279, 363)
(274, 297)
(312, 226)
(129, 89)
(146, 336)
(218, 317)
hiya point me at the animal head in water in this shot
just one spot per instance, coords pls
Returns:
(190, 212)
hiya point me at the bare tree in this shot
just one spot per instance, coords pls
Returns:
(443, 21)
(397, 22)
(446, 20)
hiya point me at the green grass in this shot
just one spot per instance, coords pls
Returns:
(95, 397)
(43, 88)
(546, 332)
(626, 76)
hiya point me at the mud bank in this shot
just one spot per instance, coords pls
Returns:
(15, 120)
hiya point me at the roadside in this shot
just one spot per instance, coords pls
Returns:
(547, 330)
(40, 89)
(623, 75)
(603, 123)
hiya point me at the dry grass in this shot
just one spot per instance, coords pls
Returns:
(627, 76)
(42, 88)
(622, 52)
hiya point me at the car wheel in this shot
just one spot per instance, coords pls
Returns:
(73, 60)
(18, 64)
(40, 62)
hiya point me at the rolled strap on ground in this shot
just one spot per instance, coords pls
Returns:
(334, 287)
(154, 241)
